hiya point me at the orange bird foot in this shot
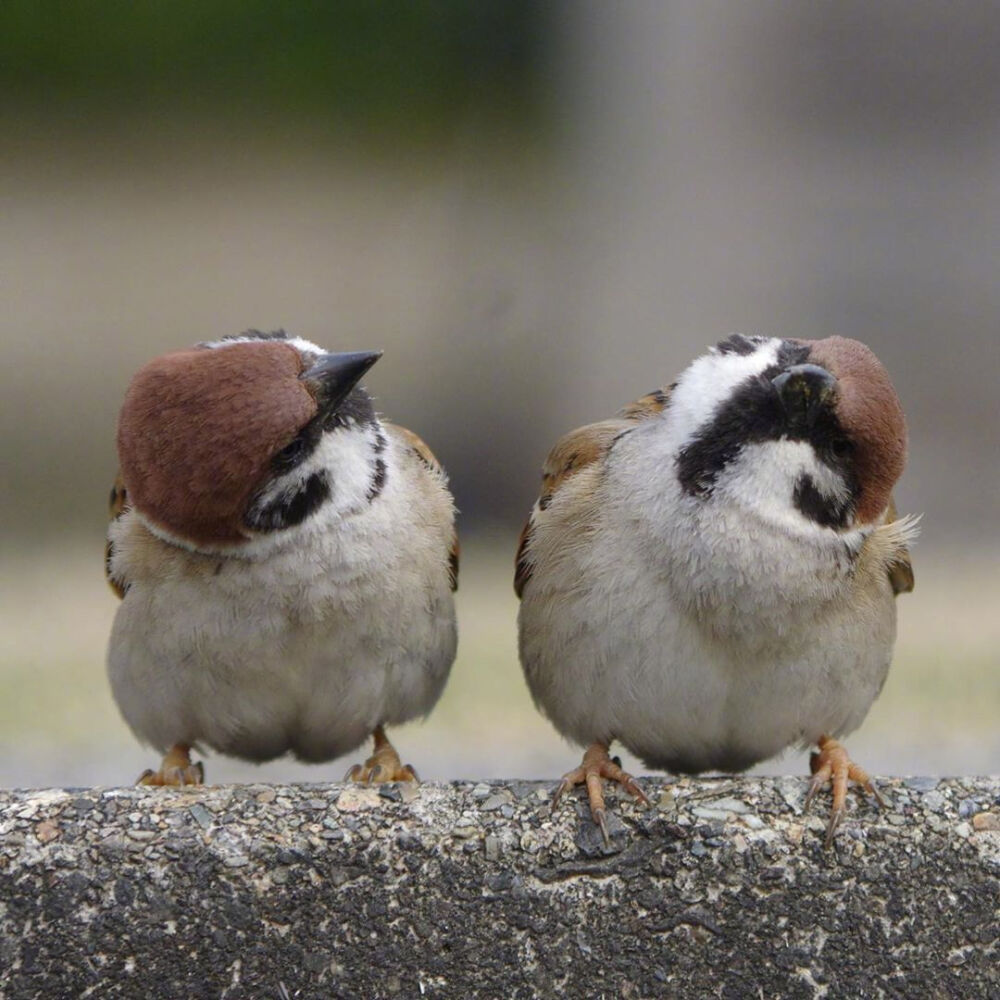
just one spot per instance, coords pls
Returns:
(832, 764)
(383, 765)
(596, 766)
(176, 770)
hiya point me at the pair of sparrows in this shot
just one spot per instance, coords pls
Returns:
(708, 578)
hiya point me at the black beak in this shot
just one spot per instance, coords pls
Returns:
(804, 390)
(333, 376)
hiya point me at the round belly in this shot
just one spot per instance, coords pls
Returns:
(729, 713)
(259, 686)
(685, 701)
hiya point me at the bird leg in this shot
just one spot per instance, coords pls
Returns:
(176, 769)
(596, 766)
(831, 763)
(383, 765)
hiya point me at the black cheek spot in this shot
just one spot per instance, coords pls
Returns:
(830, 512)
(544, 500)
(290, 509)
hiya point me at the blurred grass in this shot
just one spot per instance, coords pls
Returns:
(59, 726)
(405, 69)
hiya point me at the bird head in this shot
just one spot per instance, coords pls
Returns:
(805, 429)
(233, 438)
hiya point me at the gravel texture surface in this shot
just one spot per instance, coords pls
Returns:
(477, 889)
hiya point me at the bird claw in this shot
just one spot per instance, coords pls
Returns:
(832, 764)
(596, 766)
(876, 794)
(836, 815)
(601, 819)
(634, 789)
(176, 771)
(814, 786)
(382, 766)
(569, 780)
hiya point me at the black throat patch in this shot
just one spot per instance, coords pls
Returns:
(754, 414)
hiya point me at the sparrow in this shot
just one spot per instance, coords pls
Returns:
(710, 577)
(284, 556)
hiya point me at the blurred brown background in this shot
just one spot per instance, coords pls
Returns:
(539, 211)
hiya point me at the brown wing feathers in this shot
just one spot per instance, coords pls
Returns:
(573, 452)
(901, 571)
(117, 504)
(418, 446)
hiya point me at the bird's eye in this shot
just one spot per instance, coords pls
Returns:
(841, 447)
(290, 455)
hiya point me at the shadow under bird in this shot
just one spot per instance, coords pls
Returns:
(285, 558)
(710, 577)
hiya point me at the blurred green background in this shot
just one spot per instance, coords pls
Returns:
(538, 210)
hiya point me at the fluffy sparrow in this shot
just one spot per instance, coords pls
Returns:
(710, 577)
(285, 559)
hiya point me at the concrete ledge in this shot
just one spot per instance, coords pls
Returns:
(474, 889)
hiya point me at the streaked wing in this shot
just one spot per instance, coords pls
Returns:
(575, 451)
(418, 447)
(901, 571)
(117, 505)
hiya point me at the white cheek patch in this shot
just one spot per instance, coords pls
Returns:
(347, 456)
(764, 477)
(709, 382)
